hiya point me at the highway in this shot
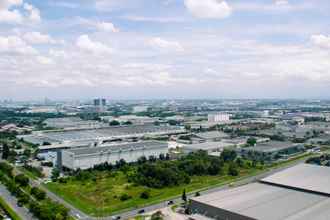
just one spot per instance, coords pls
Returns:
(12, 202)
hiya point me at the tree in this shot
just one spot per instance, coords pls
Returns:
(184, 196)
(197, 194)
(251, 141)
(228, 155)
(22, 180)
(5, 151)
(145, 194)
(38, 193)
(114, 123)
(55, 174)
(232, 169)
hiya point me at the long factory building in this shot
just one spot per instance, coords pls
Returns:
(298, 193)
(100, 135)
(87, 157)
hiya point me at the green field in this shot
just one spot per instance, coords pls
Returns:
(9, 210)
(102, 197)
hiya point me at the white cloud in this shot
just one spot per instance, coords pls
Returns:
(38, 38)
(107, 27)
(162, 44)
(152, 19)
(7, 15)
(85, 43)
(34, 13)
(208, 8)
(321, 41)
(58, 53)
(15, 45)
(44, 60)
(282, 2)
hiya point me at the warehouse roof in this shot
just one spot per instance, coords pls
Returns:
(208, 145)
(118, 147)
(271, 146)
(267, 202)
(212, 135)
(306, 177)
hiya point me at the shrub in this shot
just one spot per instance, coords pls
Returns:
(145, 194)
(125, 197)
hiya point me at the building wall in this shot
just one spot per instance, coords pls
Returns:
(88, 161)
(215, 212)
(218, 117)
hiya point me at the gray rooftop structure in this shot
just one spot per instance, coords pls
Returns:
(272, 146)
(262, 202)
(100, 134)
(118, 148)
(307, 177)
(212, 135)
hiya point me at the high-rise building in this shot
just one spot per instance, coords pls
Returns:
(100, 104)
(218, 117)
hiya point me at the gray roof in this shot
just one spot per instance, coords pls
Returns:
(305, 177)
(208, 145)
(212, 135)
(118, 147)
(271, 146)
(267, 202)
(101, 133)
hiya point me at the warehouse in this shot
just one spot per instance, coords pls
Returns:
(100, 135)
(287, 195)
(84, 158)
(271, 150)
(212, 148)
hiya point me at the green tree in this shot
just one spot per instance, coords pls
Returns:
(114, 123)
(22, 180)
(184, 196)
(55, 174)
(251, 141)
(5, 151)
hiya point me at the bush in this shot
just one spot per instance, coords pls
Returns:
(22, 180)
(125, 197)
(145, 194)
(38, 193)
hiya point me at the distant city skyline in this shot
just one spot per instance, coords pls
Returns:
(164, 49)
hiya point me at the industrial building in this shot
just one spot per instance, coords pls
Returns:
(218, 117)
(87, 157)
(100, 135)
(272, 150)
(212, 148)
(298, 193)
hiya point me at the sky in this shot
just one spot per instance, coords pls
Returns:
(164, 49)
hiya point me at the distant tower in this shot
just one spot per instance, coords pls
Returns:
(100, 104)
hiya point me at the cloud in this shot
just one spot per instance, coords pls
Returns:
(38, 38)
(7, 15)
(321, 41)
(152, 19)
(34, 13)
(107, 27)
(86, 44)
(15, 45)
(216, 9)
(44, 60)
(162, 44)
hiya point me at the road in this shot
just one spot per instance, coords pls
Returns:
(12, 202)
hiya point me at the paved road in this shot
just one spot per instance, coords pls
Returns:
(12, 202)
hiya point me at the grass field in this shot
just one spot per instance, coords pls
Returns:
(9, 210)
(102, 197)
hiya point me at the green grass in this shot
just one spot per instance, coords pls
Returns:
(9, 210)
(28, 173)
(101, 197)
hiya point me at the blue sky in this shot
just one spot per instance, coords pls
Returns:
(136, 49)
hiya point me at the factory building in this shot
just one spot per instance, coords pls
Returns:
(287, 195)
(84, 158)
(218, 117)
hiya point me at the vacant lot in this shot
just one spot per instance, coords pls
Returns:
(101, 196)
